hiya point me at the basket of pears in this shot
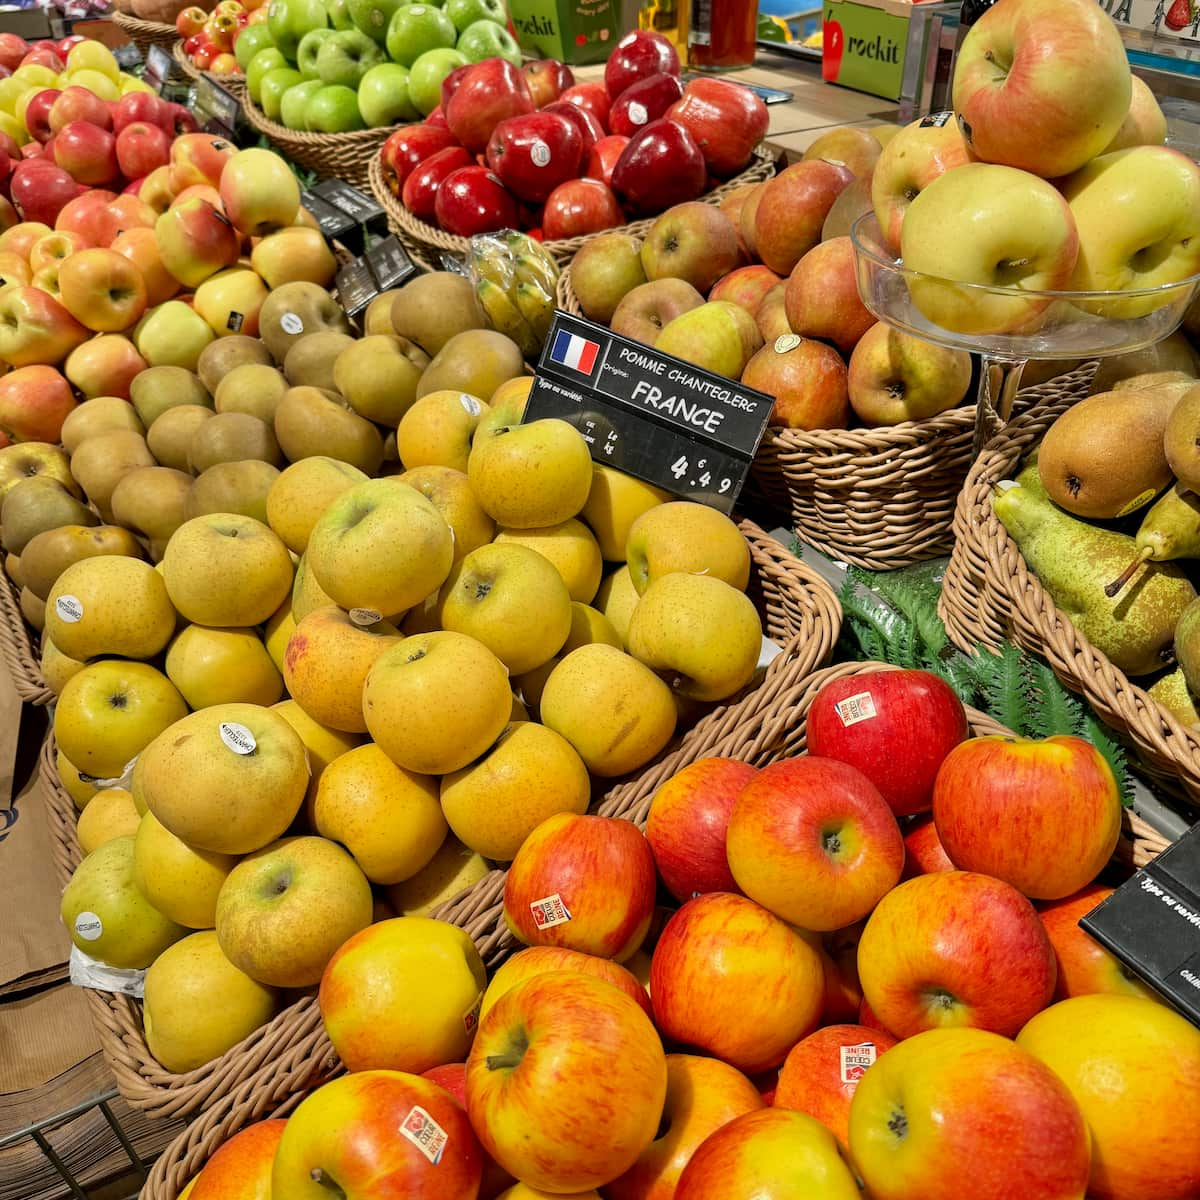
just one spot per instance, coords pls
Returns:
(1079, 536)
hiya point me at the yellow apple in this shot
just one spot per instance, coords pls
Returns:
(303, 492)
(452, 870)
(322, 743)
(278, 630)
(180, 882)
(437, 430)
(57, 667)
(307, 593)
(450, 492)
(588, 625)
(172, 334)
(614, 502)
(570, 547)
(230, 300)
(222, 666)
(109, 814)
(616, 599)
(683, 536)
(81, 788)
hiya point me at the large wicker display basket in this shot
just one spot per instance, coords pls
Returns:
(766, 726)
(437, 242)
(800, 612)
(989, 594)
(235, 85)
(144, 34)
(18, 649)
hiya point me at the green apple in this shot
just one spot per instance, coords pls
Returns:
(344, 58)
(274, 84)
(373, 17)
(309, 48)
(464, 13)
(339, 14)
(425, 77)
(333, 109)
(383, 97)
(290, 20)
(485, 39)
(172, 334)
(250, 41)
(270, 59)
(295, 103)
(417, 28)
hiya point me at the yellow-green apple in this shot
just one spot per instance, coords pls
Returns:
(693, 241)
(34, 403)
(538, 960)
(382, 546)
(286, 908)
(806, 377)
(54, 248)
(437, 430)
(615, 500)
(697, 632)
(307, 595)
(139, 246)
(388, 818)
(241, 1166)
(302, 493)
(910, 162)
(746, 286)
(685, 537)
(773, 1153)
(228, 779)
(553, 1054)
(374, 1132)
(56, 666)
(924, 853)
(989, 227)
(222, 666)
(955, 948)
(812, 840)
(197, 1006)
(195, 240)
(735, 981)
(198, 158)
(1084, 966)
(703, 1095)
(606, 269)
(109, 605)
(322, 743)
(646, 310)
(1076, 110)
(718, 336)
(1144, 124)
(583, 882)
(448, 874)
(614, 710)
(180, 882)
(172, 334)
(436, 701)
(821, 1073)
(821, 299)
(230, 301)
(687, 824)
(529, 773)
(570, 547)
(80, 786)
(896, 727)
(110, 711)
(106, 915)
(104, 366)
(848, 146)
(1119, 1056)
(226, 570)
(530, 476)
(109, 814)
(327, 661)
(450, 493)
(1119, 246)
(788, 214)
(999, 803)
(894, 377)
(35, 328)
(513, 600)
(259, 192)
(156, 189)
(294, 255)
(963, 1112)
(403, 995)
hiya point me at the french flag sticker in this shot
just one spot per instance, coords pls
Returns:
(571, 350)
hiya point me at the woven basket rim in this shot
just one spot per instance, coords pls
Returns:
(18, 649)
(137, 25)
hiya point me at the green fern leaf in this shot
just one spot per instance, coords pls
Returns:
(1052, 709)
(1096, 732)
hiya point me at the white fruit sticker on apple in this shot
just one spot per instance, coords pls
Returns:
(69, 609)
(856, 708)
(365, 617)
(549, 912)
(786, 341)
(539, 152)
(237, 737)
(291, 323)
(425, 1133)
(470, 404)
(471, 1016)
(637, 113)
(88, 926)
(856, 1060)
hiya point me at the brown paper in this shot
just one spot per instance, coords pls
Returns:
(41, 1036)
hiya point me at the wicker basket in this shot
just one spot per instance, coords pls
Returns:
(989, 594)
(799, 611)
(437, 242)
(766, 726)
(18, 649)
(235, 85)
(144, 34)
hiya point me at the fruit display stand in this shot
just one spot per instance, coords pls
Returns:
(799, 612)
(144, 34)
(18, 650)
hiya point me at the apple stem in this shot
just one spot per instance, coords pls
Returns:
(503, 1062)
(1111, 589)
(318, 1176)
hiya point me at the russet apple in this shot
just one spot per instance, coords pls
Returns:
(787, 215)
(894, 377)
(245, 1161)
(100, 462)
(606, 269)
(539, 960)
(647, 309)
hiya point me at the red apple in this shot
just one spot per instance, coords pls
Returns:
(643, 102)
(822, 299)
(13, 48)
(37, 114)
(839, 960)
(87, 153)
(1043, 815)
(450, 85)
(489, 91)
(955, 948)
(591, 95)
(661, 166)
(141, 147)
(806, 377)
(125, 213)
(583, 882)
(453, 1077)
(686, 827)
(242, 1165)
(34, 402)
(42, 57)
(195, 241)
(78, 104)
(748, 287)
(868, 1020)
(35, 327)
(736, 982)
(548, 79)
(691, 241)
(726, 120)
(896, 727)
(420, 191)
(603, 157)
(580, 206)
(183, 121)
(791, 210)
(104, 366)
(924, 853)
(590, 129)
(472, 200)
(137, 107)
(437, 118)
(40, 190)
(198, 158)
(85, 214)
(532, 154)
(190, 21)
(407, 148)
(637, 55)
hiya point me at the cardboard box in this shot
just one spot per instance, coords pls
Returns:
(574, 31)
(865, 44)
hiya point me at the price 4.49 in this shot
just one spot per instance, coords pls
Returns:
(701, 477)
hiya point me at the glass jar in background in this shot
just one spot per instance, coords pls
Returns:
(668, 17)
(722, 34)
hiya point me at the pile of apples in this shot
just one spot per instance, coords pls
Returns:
(534, 150)
(209, 37)
(869, 979)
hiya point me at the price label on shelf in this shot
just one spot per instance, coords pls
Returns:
(333, 222)
(356, 287)
(389, 263)
(158, 68)
(216, 111)
(367, 219)
(127, 56)
(692, 432)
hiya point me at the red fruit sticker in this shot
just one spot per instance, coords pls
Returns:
(856, 708)
(549, 912)
(425, 1133)
(856, 1060)
(471, 1016)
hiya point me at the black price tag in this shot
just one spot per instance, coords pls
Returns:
(333, 222)
(689, 431)
(389, 263)
(215, 109)
(158, 68)
(366, 216)
(127, 56)
(1152, 924)
(356, 287)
